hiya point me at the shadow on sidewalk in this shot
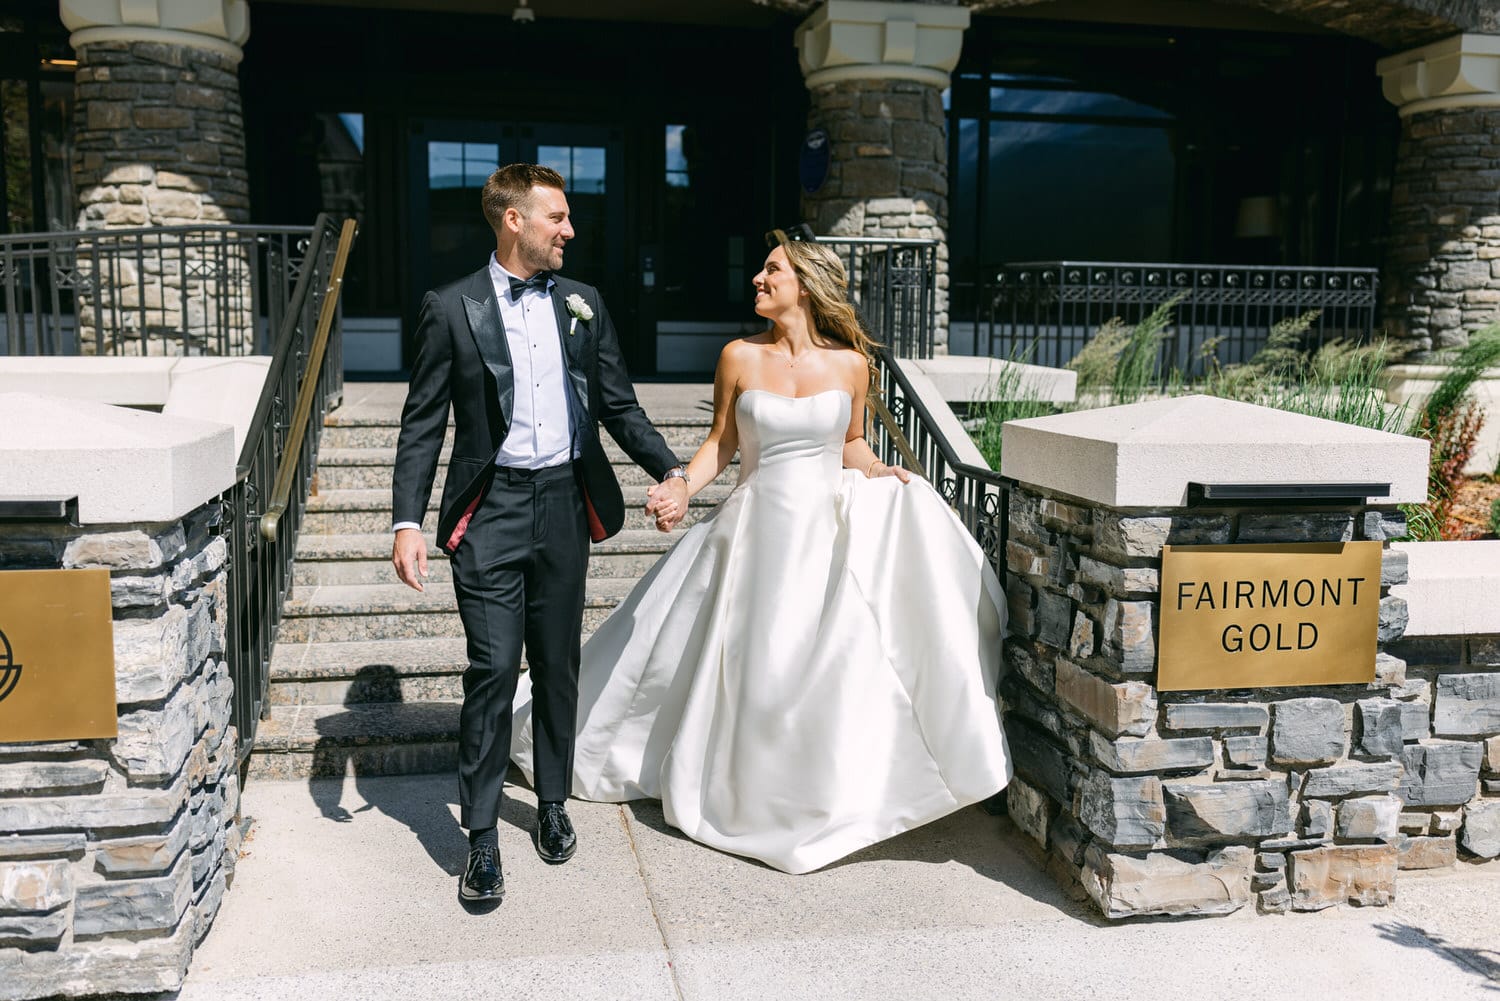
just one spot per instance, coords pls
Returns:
(1484, 963)
(991, 846)
(429, 813)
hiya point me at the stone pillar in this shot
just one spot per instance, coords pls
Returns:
(160, 141)
(115, 853)
(1442, 279)
(876, 72)
(1200, 802)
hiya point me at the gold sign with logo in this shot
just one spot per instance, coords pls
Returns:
(57, 656)
(1268, 616)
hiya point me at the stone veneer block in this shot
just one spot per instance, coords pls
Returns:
(1481, 830)
(1031, 809)
(1127, 755)
(1145, 454)
(1127, 707)
(1468, 705)
(1232, 810)
(1427, 853)
(1349, 779)
(1307, 732)
(1124, 812)
(1127, 886)
(1216, 716)
(1245, 752)
(1451, 588)
(1369, 818)
(1335, 874)
(1440, 774)
(1381, 733)
(123, 465)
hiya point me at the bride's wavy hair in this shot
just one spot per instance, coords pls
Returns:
(822, 274)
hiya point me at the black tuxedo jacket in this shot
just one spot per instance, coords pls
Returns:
(463, 360)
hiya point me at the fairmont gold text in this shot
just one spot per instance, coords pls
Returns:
(1260, 616)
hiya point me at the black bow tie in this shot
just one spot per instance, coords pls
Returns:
(537, 281)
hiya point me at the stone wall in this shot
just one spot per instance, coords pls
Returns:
(1442, 279)
(1187, 803)
(160, 141)
(889, 171)
(115, 854)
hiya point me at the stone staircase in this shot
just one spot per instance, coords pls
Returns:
(367, 673)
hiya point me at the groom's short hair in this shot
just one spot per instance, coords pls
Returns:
(510, 187)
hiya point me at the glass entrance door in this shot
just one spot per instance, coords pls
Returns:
(449, 163)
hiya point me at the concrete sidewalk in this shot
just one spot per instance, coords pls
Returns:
(349, 890)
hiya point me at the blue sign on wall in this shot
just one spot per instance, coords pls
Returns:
(815, 157)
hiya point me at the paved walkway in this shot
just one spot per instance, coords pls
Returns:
(347, 890)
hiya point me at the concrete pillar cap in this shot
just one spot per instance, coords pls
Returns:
(217, 25)
(124, 466)
(1462, 71)
(1146, 454)
(881, 40)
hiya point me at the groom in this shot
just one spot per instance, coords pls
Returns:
(529, 362)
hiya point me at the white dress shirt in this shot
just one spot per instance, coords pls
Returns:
(541, 431)
(541, 425)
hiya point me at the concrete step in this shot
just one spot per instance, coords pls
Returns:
(682, 437)
(379, 738)
(366, 559)
(362, 671)
(350, 512)
(370, 468)
(339, 613)
(317, 574)
(377, 546)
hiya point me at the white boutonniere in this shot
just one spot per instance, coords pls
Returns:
(579, 309)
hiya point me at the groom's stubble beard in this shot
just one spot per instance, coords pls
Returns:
(536, 251)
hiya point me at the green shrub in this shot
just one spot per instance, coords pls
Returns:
(1005, 399)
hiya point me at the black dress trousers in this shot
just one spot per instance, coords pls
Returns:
(519, 574)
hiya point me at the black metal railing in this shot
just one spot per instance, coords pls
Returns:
(1045, 312)
(894, 284)
(173, 290)
(306, 365)
(910, 434)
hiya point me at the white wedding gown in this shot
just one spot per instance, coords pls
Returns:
(810, 669)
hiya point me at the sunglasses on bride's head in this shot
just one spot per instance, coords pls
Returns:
(801, 232)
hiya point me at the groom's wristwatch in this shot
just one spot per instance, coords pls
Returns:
(676, 471)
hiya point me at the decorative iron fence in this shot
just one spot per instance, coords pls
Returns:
(894, 284)
(277, 453)
(208, 290)
(1045, 312)
(175, 290)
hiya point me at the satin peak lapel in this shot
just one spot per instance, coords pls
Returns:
(489, 338)
(573, 344)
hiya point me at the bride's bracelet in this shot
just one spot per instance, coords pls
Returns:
(869, 473)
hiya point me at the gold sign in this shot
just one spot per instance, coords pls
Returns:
(57, 656)
(1267, 616)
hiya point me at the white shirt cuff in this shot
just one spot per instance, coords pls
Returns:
(405, 524)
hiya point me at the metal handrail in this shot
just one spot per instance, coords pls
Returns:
(304, 374)
(282, 351)
(292, 446)
(906, 427)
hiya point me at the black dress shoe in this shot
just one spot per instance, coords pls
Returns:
(555, 840)
(483, 879)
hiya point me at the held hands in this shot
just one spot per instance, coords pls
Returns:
(667, 502)
(409, 556)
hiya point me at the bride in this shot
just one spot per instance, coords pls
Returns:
(812, 667)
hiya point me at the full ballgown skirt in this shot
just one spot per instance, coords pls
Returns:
(810, 669)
